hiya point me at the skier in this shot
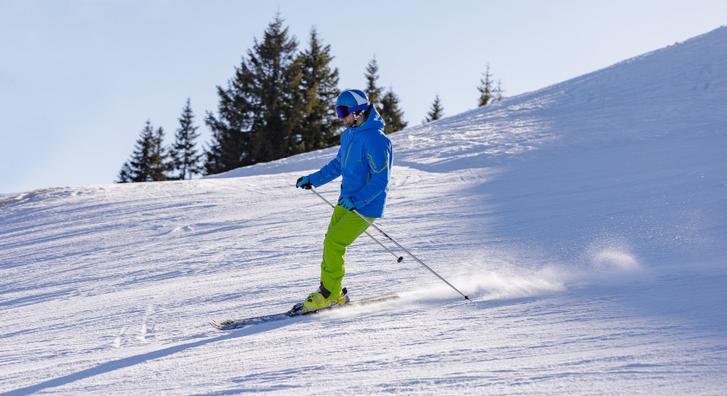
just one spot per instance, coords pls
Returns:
(364, 160)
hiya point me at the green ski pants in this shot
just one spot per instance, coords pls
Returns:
(344, 228)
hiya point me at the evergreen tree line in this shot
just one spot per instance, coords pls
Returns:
(489, 93)
(279, 102)
(152, 161)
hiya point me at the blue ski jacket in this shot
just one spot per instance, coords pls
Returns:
(364, 159)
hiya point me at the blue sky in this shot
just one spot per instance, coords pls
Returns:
(78, 79)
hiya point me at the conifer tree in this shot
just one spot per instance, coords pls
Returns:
(485, 88)
(183, 154)
(258, 111)
(436, 112)
(149, 160)
(498, 92)
(229, 148)
(392, 115)
(387, 104)
(318, 91)
(275, 75)
(125, 174)
(159, 163)
(373, 91)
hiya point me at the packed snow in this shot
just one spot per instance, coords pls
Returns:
(587, 221)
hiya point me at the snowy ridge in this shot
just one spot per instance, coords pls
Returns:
(586, 220)
(650, 98)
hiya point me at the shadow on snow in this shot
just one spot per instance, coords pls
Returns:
(114, 365)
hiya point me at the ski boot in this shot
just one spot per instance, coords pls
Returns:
(320, 299)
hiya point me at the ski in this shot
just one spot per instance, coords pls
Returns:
(296, 311)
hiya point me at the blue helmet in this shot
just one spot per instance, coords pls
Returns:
(351, 101)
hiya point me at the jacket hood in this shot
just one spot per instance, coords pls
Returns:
(373, 121)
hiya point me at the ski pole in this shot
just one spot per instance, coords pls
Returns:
(398, 258)
(400, 247)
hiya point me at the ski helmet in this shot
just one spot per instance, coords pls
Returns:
(351, 101)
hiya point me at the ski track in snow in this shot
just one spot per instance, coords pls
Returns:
(586, 221)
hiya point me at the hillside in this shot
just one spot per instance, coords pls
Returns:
(586, 220)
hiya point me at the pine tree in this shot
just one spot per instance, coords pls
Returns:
(436, 112)
(229, 148)
(318, 91)
(149, 160)
(498, 92)
(158, 157)
(184, 156)
(485, 88)
(275, 74)
(125, 174)
(258, 110)
(386, 104)
(373, 91)
(392, 115)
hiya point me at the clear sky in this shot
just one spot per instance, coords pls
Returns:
(78, 79)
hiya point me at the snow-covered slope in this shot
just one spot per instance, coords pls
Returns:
(586, 220)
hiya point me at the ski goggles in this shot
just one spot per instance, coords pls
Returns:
(342, 112)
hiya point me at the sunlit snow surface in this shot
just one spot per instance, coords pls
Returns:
(587, 221)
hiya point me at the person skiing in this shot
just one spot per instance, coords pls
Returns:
(364, 161)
